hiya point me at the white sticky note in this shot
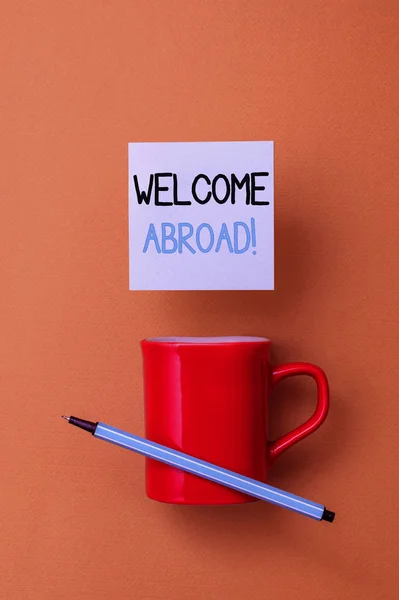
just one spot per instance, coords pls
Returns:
(201, 216)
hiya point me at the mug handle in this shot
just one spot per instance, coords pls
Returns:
(277, 447)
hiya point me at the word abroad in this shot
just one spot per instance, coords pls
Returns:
(183, 237)
(163, 189)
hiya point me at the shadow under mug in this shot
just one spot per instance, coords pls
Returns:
(208, 397)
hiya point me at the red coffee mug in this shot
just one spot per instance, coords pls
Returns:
(208, 397)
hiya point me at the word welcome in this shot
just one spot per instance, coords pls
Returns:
(221, 189)
(183, 237)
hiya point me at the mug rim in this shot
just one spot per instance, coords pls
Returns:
(196, 340)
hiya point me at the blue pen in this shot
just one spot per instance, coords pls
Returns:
(204, 469)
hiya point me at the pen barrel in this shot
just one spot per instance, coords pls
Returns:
(190, 464)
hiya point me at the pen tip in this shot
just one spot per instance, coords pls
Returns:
(64, 417)
(328, 515)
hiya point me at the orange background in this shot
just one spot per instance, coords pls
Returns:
(79, 80)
